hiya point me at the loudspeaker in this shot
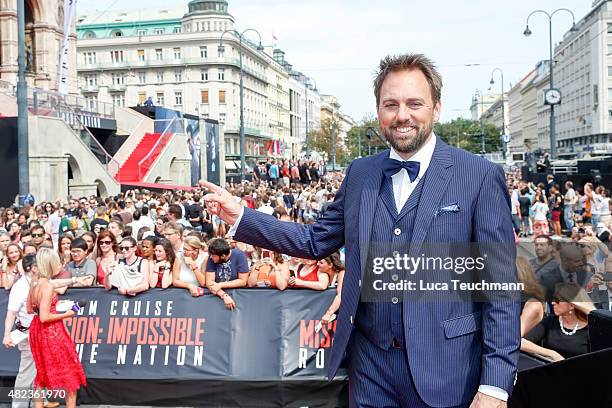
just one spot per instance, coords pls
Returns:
(600, 329)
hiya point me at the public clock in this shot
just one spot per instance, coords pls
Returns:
(552, 96)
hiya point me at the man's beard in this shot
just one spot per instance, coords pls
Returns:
(409, 145)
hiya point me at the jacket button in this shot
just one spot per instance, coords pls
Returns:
(394, 300)
(395, 254)
(359, 282)
(397, 231)
(395, 277)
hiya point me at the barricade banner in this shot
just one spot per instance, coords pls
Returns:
(167, 335)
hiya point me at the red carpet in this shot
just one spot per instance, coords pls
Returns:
(129, 170)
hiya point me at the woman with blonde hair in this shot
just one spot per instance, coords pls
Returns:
(564, 333)
(57, 363)
(532, 297)
(189, 275)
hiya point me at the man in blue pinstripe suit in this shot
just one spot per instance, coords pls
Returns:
(400, 352)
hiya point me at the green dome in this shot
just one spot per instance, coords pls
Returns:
(208, 6)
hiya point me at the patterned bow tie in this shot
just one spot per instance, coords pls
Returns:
(392, 166)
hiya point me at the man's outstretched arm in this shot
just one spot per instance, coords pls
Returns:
(313, 241)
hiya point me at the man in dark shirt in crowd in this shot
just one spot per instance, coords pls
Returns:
(193, 213)
(99, 222)
(226, 268)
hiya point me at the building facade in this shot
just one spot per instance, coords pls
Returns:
(188, 62)
(330, 110)
(583, 74)
(44, 32)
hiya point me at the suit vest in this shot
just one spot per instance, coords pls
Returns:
(380, 312)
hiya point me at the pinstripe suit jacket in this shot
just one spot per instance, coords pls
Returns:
(452, 346)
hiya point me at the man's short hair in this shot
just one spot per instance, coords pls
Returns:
(548, 239)
(409, 62)
(37, 228)
(174, 226)
(175, 210)
(219, 247)
(79, 243)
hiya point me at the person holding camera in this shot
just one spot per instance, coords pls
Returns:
(271, 271)
(164, 265)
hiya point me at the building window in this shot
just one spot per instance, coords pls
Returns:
(142, 97)
(177, 53)
(119, 100)
(204, 96)
(140, 33)
(90, 58)
(222, 117)
(159, 54)
(221, 52)
(610, 94)
(159, 99)
(159, 31)
(116, 33)
(160, 76)
(178, 76)
(116, 56)
(91, 80)
(178, 98)
(117, 79)
(177, 30)
(204, 52)
(141, 55)
(204, 75)
(221, 74)
(221, 96)
(142, 77)
(91, 103)
(89, 34)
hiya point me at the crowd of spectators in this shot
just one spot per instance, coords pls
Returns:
(548, 208)
(570, 272)
(139, 239)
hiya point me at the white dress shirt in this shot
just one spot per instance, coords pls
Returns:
(402, 186)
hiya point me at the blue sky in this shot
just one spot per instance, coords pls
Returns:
(339, 42)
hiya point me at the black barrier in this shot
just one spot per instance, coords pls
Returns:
(192, 351)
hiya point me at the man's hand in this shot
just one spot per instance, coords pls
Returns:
(221, 203)
(486, 401)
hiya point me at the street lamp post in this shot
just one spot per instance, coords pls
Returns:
(22, 107)
(306, 84)
(221, 50)
(527, 33)
(478, 94)
(503, 116)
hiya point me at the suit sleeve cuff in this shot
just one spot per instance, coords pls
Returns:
(234, 228)
(494, 392)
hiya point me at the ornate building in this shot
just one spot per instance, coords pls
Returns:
(44, 21)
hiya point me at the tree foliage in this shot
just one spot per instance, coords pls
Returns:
(321, 141)
(459, 132)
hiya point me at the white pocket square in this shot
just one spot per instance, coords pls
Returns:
(450, 208)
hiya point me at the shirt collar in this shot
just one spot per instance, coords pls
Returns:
(423, 155)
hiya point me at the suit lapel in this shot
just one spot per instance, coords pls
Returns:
(369, 196)
(437, 178)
